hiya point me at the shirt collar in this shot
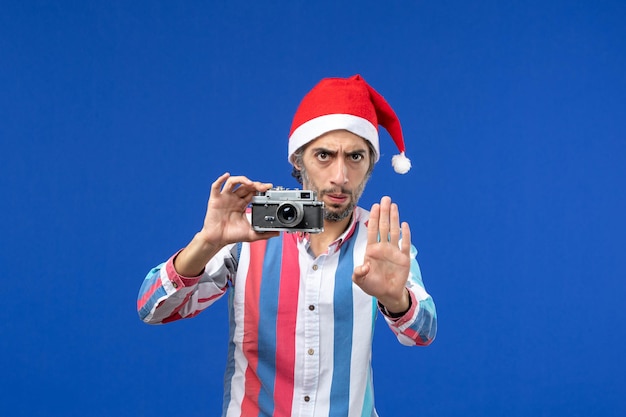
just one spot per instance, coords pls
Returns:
(347, 234)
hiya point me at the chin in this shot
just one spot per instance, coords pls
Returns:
(336, 213)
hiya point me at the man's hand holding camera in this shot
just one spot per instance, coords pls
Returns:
(225, 222)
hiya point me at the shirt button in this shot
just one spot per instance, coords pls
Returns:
(315, 267)
(174, 284)
(311, 307)
(307, 398)
(310, 351)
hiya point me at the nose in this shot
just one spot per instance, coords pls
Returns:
(340, 172)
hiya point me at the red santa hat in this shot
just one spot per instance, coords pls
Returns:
(347, 104)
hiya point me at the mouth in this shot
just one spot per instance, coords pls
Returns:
(337, 199)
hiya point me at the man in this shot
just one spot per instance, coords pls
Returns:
(303, 306)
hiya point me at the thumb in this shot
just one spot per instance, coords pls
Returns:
(360, 272)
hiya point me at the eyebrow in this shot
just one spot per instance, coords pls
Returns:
(331, 152)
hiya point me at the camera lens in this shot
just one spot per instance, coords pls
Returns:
(289, 214)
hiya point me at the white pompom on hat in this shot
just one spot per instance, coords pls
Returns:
(347, 104)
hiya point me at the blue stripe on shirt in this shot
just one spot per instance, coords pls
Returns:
(230, 363)
(148, 282)
(368, 400)
(268, 310)
(343, 312)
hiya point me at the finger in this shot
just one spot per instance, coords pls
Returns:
(394, 227)
(247, 192)
(242, 191)
(218, 183)
(262, 186)
(233, 183)
(406, 239)
(360, 272)
(247, 198)
(372, 224)
(383, 223)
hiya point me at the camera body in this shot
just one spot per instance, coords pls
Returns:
(291, 210)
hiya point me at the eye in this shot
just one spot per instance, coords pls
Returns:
(356, 157)
(323, 156)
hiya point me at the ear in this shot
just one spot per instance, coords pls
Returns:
(297, 165)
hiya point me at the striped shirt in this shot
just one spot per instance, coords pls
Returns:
(301, 332)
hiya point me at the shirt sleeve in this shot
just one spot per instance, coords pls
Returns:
(418, 326)
(167, 296)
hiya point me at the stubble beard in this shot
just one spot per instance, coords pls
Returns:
(333, 213)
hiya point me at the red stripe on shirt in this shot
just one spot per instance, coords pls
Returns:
(214, 296)
(146, 296)
(286, 326)
(176, 315)
(250, 345)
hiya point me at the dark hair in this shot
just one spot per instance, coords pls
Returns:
(297, 158)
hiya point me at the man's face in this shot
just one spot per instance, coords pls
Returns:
(336, 165)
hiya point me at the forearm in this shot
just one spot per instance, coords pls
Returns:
(194, 257)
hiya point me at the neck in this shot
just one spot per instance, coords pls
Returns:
(332, 230)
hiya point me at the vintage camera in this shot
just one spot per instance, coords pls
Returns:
(291, 210)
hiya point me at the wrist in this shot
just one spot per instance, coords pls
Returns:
(190, 262)
(206, 241)
(399, 308)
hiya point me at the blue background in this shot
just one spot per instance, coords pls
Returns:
(115, 117)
